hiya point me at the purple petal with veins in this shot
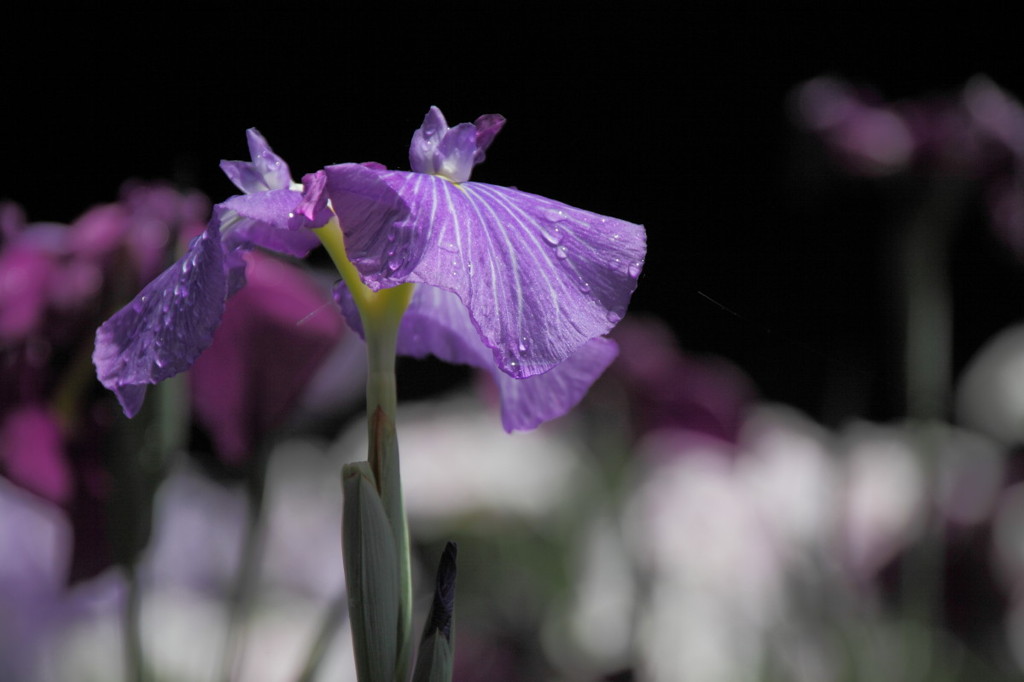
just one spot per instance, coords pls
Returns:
(540, 278)
(266, 219)
(436, 323)
(168, 324)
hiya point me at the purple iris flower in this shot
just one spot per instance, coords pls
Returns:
(521, 286)
(173, 319)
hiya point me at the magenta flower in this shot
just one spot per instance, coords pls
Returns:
(250, 379)
(173, 319)
(521, 286)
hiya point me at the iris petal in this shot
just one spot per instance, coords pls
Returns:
(436, 323)
(540, 278)
(168, 324)
(266, 171)
(265, 219)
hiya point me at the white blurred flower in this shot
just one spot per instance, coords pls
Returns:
(303, 512)
(990, 394)
(34, 554)
(457, 461)
(715, 578)
(884, 497)
(792, 477)
(728, 537)
(188, 575)
(198, 529)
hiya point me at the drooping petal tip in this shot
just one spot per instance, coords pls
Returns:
(168, 324)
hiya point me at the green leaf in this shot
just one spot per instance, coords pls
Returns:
(371, 575)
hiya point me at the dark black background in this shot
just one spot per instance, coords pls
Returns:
(677, 120)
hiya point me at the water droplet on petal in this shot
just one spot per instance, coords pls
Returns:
(613, 317)
(553, 236)
(524, 344)
(395, 262)
(562, 253)
(555, 215)
(584, 287)
(634, 270)
(391, 235)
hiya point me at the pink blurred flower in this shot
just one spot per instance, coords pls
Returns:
(667, 389)
(976, 133)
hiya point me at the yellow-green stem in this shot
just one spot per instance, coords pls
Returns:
(381, 313)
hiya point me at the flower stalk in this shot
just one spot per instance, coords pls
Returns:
(373, 489)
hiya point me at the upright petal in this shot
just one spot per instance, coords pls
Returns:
(425, 141)
(437, 149)
(487, 128)
(168, 324)
(266, 171)
(540, 278)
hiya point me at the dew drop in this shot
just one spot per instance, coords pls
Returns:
(562, 253)
(584, 287)
(395, 262)
(160, 361)
(524, 344)
(552, 237)
(391, 235)
(613, 317)
(634, 270)
(555, 215)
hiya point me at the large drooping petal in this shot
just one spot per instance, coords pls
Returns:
(437, 323)
(169, 323)
(540, 278)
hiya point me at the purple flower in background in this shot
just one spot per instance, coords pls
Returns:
(173, 319)
(521, 286)
(667, 388)
(274, 336)
(976, 135)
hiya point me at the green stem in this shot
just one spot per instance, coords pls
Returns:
(381, 314)
(248, 569)
(334, 616)
(135, 662)
(928, 373)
